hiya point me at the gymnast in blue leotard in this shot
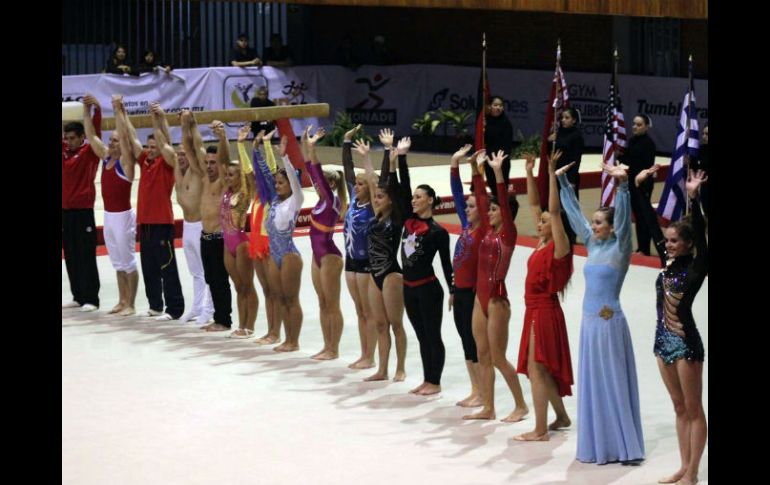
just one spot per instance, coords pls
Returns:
(285, 267)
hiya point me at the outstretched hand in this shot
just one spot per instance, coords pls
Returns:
(243, 132)
(620, 172)
(403, 145)
(362, 147)
(553, 159)
(529, 162)
(496, 162)
(386, 137)
(694, 181)
(350, 134)
(644, 174)
(459, 154)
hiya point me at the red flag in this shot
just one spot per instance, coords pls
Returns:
(481, 106)
(558, 100)
(293, 150)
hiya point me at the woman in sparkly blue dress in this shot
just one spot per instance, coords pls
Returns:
(609, 425)
(683, 254)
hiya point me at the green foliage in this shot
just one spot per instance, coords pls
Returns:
(342, 124)
(426, 125)
(456, 120)
(528, 145)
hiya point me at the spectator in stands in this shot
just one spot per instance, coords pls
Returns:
(243, 55)
(277, 54)
(118, 62)
(346, 55)
(380, 55)
(150, 63)
(260, 100)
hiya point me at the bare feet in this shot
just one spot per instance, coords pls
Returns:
(379, 376)
(472, 401)
(687, 481)
(326, 355)
(362, 364)
(560, 423)
(266, 340)
(485, 413)
(315, 356)
(286, 347)
(673, 478)
(418, 388)
(400, 376)
(215, 327)
(516, 416)
(116, 308)
(127, 311)
(532, 436)
(429, 389)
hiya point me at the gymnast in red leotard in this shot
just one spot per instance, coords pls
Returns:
(491, 310)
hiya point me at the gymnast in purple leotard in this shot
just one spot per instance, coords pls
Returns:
(327, 258)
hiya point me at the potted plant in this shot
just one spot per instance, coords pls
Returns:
(454, 126)
(336, 134)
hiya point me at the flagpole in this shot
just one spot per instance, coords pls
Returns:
(558, 87)
(686, 161)
(616, 95)
(484, 92)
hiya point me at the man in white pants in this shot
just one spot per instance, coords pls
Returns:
(188, 184)
(119, 216)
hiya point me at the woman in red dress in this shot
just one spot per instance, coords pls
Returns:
(544, 349)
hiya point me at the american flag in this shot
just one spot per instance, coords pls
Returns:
(674, 198)
(614, 136)
(558, 101)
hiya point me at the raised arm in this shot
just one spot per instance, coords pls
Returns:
(243, 154)
(121, 119)
(197, 142)
(127, 158)
(694, 181)
(161, 138)
(263, 172)
(362, 147)
(571, 205)
(533, 195)
(223, 148)
(508, 232)
(195, 157)
(403, 175)
(386, 138)
(480, 187)
(296, 187)
(97, 145)
(559, 234)
(457, 185)
(347, 157)
(622, 208)
(313, 166)
(649, 215)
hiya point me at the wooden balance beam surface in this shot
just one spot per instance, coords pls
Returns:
(269, 113)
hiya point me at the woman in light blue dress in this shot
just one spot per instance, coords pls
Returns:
(609, 426)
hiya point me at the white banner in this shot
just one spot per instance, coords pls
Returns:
(393, 96)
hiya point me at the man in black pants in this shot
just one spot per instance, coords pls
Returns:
(155, 218)
(79, 165)
(640, 155)
(212, 241)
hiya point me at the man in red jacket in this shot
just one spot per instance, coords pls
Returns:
(78, 192)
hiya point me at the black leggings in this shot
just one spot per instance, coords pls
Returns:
(424, 308)
(463, 313)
